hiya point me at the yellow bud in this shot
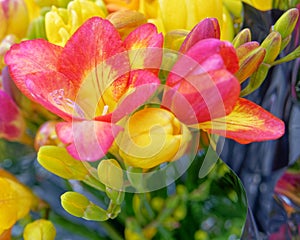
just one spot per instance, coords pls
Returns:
(250, 63)
(152, 136)
(174, 39)
(242, 37)
(79, 206)
(126, 20)
(272, 44)
(286, 23)
(111, 174)
(39, 230)
(58, 161)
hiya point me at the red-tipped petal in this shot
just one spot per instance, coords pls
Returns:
(206, 55)
(55, 92)
(247, 123)
(144, 46)
(92, 52)
(205, 96)
(30, 57)
(207, 28)
(12, 124)
(87, 140)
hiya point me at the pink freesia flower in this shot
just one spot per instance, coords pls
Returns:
(204, 93)
(84, 81)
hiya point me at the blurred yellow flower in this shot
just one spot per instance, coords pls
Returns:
(61, 23)
(260, 5)
(16, 200)
(14, 18)
(152, 136)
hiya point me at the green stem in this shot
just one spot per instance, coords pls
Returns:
(111, 232)
(293, 55)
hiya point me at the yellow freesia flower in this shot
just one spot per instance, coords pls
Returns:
(16, 200)
(61, 23)
(152, 136)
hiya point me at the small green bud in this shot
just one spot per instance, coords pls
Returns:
(110, 173)
(286, 23)
(242, 37)
(180, 212)
(80, 206)
(243, 50)
(272, 44)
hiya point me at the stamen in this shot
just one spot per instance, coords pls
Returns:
(57, 97)
(105, 110)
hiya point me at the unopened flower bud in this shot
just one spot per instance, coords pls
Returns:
(126, 20)
(39, 230)
(58, 161)
(207, 28)
(256, 79)
(152, 136)
(242, 37)
(286, 23)
(80, 206)
(110, 173)
(272, 44)
(243, 50)
(46, 135)
(250, 63)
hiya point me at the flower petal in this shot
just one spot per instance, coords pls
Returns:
(87, 140)
(12, 124)
(55, 92)
(93, 43)
(144, 47)
(30, 57)
(247, 123)
(203, 96)
(207, 28)
(142, 85)
(206, 55)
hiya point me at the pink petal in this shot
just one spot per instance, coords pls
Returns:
(87, 140)
(206, 55)
(30, 57)
(203, 97)
(55, 92)
(144, 47)
(207, 28)
(12, 124)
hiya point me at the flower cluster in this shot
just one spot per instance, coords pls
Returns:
(123, 92)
